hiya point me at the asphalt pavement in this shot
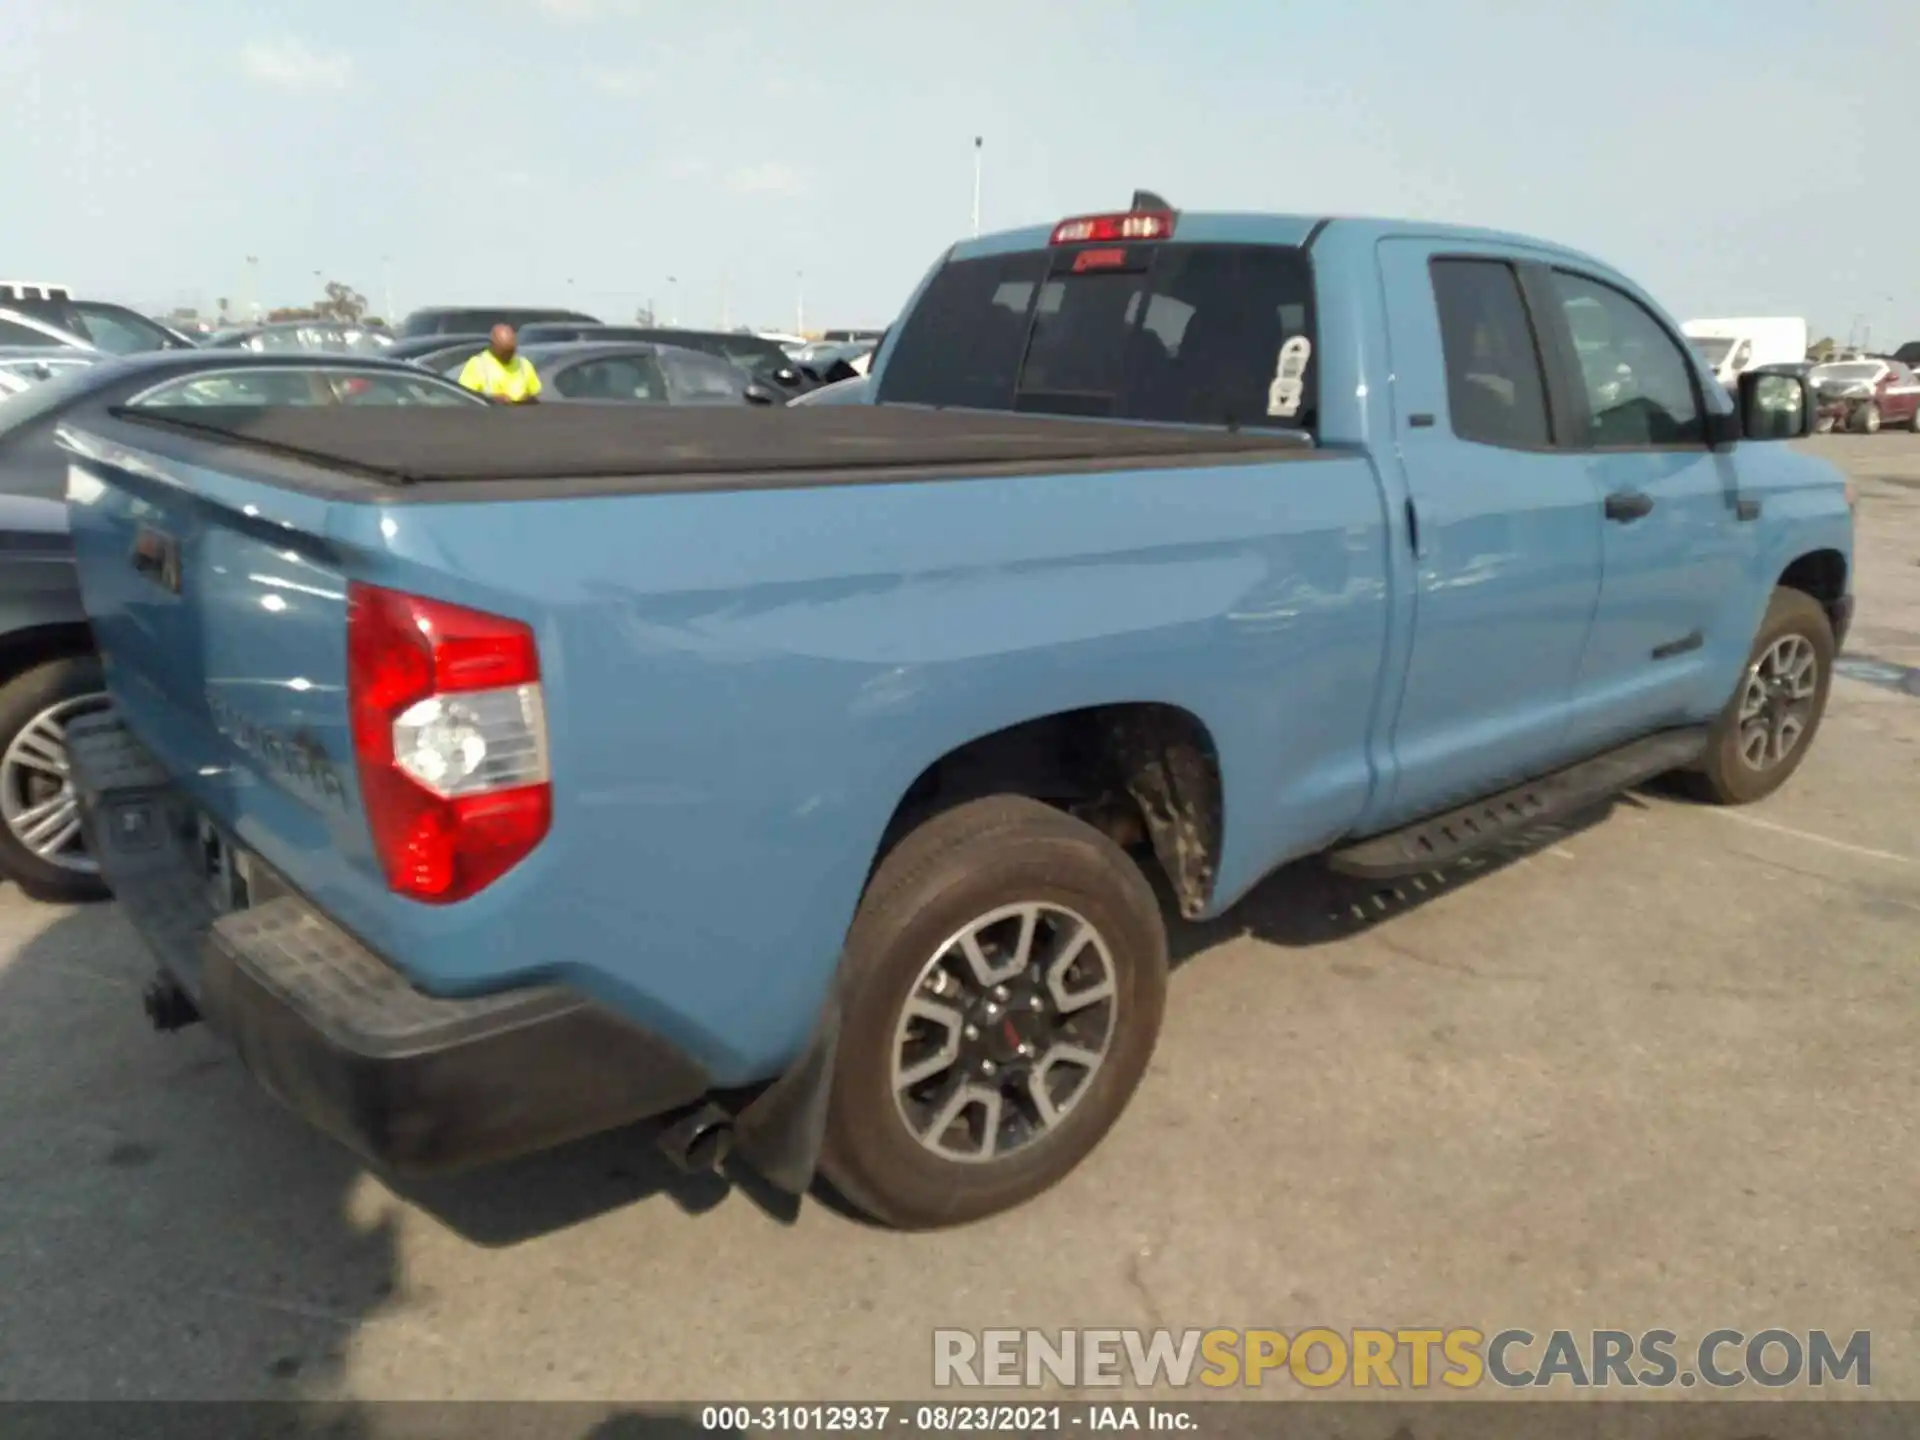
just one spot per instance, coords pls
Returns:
(1658, 1071)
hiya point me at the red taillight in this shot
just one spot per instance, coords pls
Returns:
(1086, 260)
(1134, 225)
(449, 729)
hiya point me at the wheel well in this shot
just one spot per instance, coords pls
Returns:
(21, 650)
(1142, 774)
(1820, 573)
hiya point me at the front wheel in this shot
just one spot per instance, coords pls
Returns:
(1769, 724)
(1005, 980)
(1868, 420)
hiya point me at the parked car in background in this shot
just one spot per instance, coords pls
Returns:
(290, 335)
(413, 347)
(852, 337)
(1909, 354)
(48, 671)
(855, 390)
(449, 359)
(1869, 395)
(117, 329)
(764, 359)
(19, 330)
(637, 373)
(27, 365)
(479, 319)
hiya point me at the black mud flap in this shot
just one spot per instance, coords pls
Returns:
(780, 1133)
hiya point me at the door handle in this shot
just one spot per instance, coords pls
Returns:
(1628, 505)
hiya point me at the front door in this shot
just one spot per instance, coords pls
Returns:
(1508, 534)
(1673, 623)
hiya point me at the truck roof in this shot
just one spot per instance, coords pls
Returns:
(693, 447)
(1255, 228)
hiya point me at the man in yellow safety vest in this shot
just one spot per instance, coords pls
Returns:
(501, 373)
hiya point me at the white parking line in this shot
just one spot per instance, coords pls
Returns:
(1830, 842)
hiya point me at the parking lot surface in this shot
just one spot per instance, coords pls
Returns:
(1658, 1071)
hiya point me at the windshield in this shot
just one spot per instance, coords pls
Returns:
(1713, 348)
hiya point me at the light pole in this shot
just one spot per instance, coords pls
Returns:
(673, 301)
(800, 302)
(386, 284)
(976, 185)
(250, 305)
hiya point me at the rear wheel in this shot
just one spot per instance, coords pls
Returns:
(1006, 976)
(1769, 724)
(41, 849)
(1913, 420)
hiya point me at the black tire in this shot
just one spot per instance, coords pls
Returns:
(1724, 776)
(1913, 420)
(1867, 419)
(24, 699)
(962, 864)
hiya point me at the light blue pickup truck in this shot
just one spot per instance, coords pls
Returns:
(800, 778)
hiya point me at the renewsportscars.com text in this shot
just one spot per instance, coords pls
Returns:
(1415, 1359)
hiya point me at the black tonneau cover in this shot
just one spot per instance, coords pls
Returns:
(407, 445)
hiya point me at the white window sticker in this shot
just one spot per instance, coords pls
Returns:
(1289, 385)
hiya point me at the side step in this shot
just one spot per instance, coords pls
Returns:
(1442, 839)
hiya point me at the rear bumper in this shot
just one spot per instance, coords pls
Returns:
(337, 1034)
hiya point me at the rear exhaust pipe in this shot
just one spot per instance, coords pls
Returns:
(700, 1140)
(168, 1006)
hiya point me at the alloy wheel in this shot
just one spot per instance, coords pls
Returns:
(37, 799)
(1776, 701)
(1004, 1031)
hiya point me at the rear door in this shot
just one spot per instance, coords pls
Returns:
(1507, 527)
(1673, 618)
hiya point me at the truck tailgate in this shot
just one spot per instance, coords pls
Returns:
(220, 609)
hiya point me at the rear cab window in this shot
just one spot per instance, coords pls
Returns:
(1186, 334)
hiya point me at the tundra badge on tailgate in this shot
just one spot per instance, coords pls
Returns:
(298, 760)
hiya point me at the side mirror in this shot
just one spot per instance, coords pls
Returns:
(759, 395)
(787, 376)
(1775, 405)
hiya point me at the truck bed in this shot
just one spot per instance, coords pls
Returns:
(642, 449)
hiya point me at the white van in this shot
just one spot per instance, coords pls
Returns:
(1733, 347)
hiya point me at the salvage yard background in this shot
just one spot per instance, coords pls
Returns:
(1657, 1072)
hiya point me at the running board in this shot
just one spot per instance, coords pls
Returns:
(1440, 840)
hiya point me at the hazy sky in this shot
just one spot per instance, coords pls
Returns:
(1736, 156)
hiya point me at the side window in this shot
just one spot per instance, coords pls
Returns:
(1496, 391)
(629, 379)
(237, 387)
(120, 332)
(1639, 386)
(701, 377)
(380, 388)
(12, 334)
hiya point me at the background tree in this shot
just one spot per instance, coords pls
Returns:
(342, 303)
